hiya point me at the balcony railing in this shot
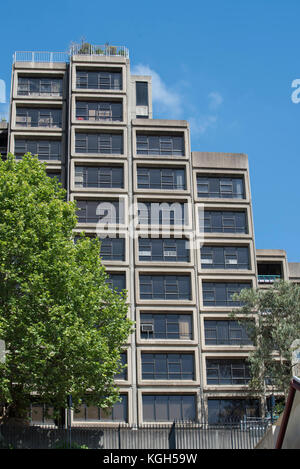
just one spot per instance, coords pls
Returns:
(76, 49)
(268, 278)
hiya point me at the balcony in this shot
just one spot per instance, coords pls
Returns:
(267, 279)
(269, 272)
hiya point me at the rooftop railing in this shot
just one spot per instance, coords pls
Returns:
(42, 57)
(76, 49)
(105, 50)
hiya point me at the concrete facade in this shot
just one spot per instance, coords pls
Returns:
(201, 312)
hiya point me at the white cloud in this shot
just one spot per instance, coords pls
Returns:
(200, 124)
(172, 103)
(215, 100)
(168, 101)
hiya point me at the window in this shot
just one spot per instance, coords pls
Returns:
(224, 372)
(40, 414)
(112, 249)
(103, 143)
(224, 257)
(123, 362)
(225, 333)
(162, 213)
(173, 366)
(38, 117)
(100, 211)
(54, 174)
(223, 222)
(220, 187)
(141, 93)
(99, 176)
(164, 250)
(117, 413)
(161, 178)
(101, 80)
(222, 411)
(164, 145)
(166, 326)
(167, 408)
(220, 294)
(99, 111)
(117, 281)
(165, 287)
(46, 86)
(45, 149)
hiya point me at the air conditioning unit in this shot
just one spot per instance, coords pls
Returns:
(147, 327)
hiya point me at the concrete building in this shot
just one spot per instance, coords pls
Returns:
(176, 228)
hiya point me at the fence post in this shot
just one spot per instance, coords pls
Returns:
(119, 436)
(172, 436)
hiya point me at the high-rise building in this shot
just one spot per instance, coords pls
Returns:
(176, 228)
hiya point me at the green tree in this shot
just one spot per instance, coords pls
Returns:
(272, 319)
(63, 326)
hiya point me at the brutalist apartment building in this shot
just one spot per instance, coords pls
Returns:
(176, 229)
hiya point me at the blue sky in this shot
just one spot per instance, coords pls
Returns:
(225, 66)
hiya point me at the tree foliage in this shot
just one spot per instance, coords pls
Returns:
(272, 319)
(63, 326)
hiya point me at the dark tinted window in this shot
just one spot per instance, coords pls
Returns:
(99, 111)
(224, 257)
(142, 93)
(162, 213)
(165, 287)
(104, 143)
(123, 361)
(223, 222)
(45, 149)
(165, 250)
(168, 366)
(99, 176)
(223, 372)
(112, 249)
(105, 80)
(117, 281)
(161, 178)
(226, 410)
(220, 187)
(117, 413)
(38, 117)
(46, 86)
(225, 333)
(166, 326)
(162, 408)
(167, 145)
(220, 294)
(100, 211)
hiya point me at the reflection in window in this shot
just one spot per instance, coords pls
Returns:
(167, 145)
(226, 410)
(220, 187)
(168, 366)
(165, 287)
(167, 408)
(166, 326)
(118, 413)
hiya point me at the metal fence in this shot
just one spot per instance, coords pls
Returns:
(42, 57)
(180, 435)
(76, 49)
